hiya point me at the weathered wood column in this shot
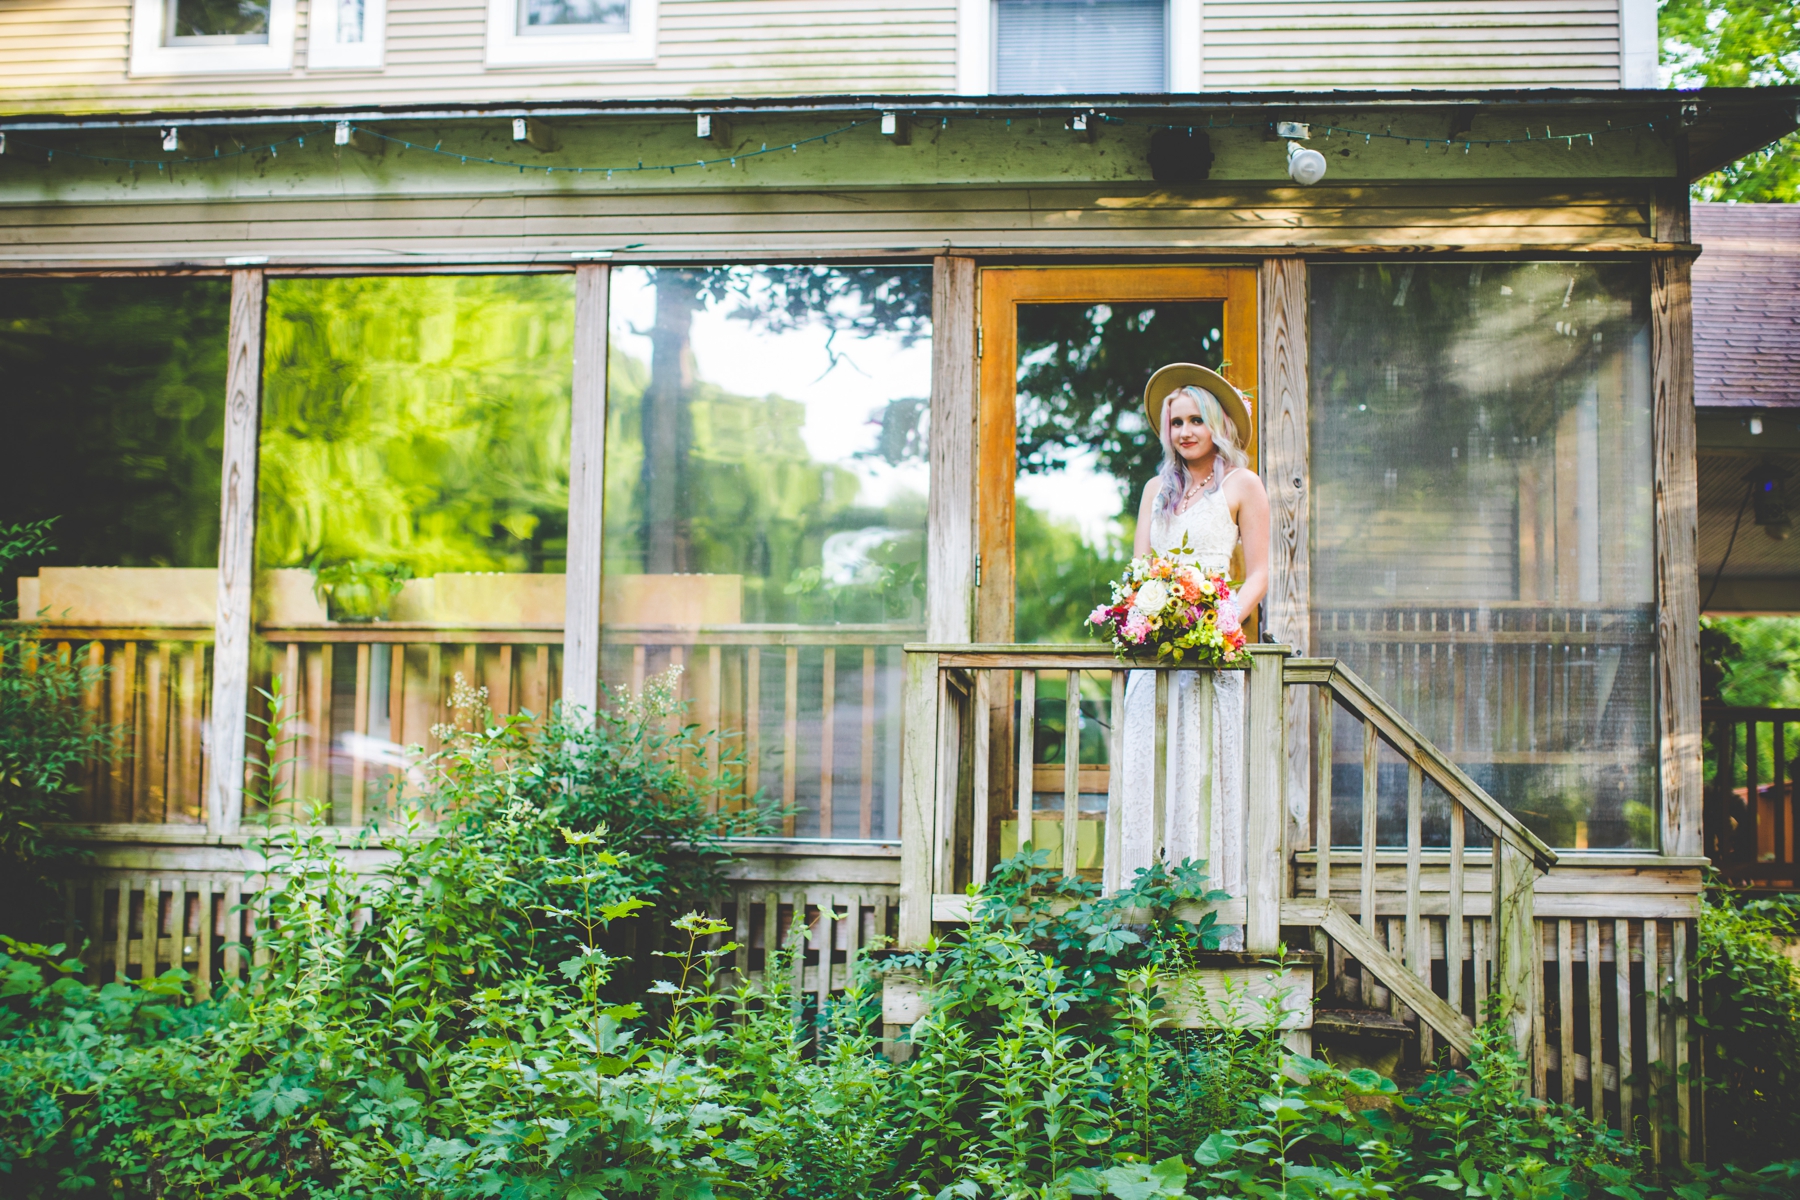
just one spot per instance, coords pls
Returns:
(587, 489)
(1265, 855)
(1282, 412)
(1677, 527)
(237, 553)
(950, 575)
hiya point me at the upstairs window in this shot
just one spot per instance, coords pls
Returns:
(346, 34)
(178, 37)
(527, 33)
(218, 23)
(1048, 47)
(574, 16)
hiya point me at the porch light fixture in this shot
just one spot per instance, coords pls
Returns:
(1305, 166)
(171, 137)
(1769, 502)
(703, 125)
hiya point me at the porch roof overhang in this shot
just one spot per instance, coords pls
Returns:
(1717, 125)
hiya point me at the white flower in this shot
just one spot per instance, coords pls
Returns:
(1153, 596)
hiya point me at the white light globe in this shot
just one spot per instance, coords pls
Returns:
(1305, 167)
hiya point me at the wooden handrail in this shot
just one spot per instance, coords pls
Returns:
(1356, 695)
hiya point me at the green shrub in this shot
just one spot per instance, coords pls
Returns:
(452, 1028)
(1748, 1012)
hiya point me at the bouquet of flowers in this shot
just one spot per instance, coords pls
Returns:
(1175, 610)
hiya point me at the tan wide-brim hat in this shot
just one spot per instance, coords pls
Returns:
(1179, 375)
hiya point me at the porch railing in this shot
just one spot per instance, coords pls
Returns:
(1752, 758)
(961, 724)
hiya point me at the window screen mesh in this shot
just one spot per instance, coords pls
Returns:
(1051, 46)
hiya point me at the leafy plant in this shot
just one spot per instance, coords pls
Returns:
(47, 735)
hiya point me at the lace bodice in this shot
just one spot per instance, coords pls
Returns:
(1211, 533)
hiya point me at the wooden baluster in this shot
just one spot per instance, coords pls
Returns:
(753, 722)
(1540, 1045)
(150, 930)
(1027, 743)
(1653, 1052)
(1778, 781)
(122, 939)
(434, 694)
(771, 938)
(865, 813)
(203, 941)
(232, 933)
(467, 670)
(949, 765)
(318, 727)
(359, 719)
(190, 802)
(1370, 813)
(397, 707)
(712, 716)
(638, 669)
(1622, 1034)
(790, 739)
(1206, 713)
(1750, 835)
(153, 795)
(1071, 812)
(983, 718)
(1418, 954)
(1453, 921)
(826, 940)
(124, 690)
(1115, 786)
(1480, 931)
(500, 689)
(1679, 1069)
(1565, 1009)
(1596, 1059)
(827, 740)
(1322, 806)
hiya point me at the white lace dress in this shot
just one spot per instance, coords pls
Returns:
(1209, 827)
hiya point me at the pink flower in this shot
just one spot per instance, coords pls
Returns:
(1100, 615)
(1137, 625)
(1229, 621)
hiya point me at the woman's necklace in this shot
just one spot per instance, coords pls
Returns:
(1196, 488)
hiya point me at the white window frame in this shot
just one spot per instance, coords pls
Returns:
(507, 47)
(151, 53)
(325, 53)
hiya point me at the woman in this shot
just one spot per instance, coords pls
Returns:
(1200, 505)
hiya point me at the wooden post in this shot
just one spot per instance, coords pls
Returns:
(918, 796)
(1266, 823)
(1677, 551)
(1282, 411)
(1515, 941)
(237, 551)
(950, 517)
(587, 489)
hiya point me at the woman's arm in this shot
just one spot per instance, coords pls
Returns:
(1252, 505)
(1140, 544)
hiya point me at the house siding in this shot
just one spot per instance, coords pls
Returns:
(73, 55)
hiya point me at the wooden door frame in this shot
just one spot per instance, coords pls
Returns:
(1001, 291)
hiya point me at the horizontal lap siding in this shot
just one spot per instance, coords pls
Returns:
(375, 230)
(52, 53)
(1251, 44)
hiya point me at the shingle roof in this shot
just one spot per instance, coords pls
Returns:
(1747, 305)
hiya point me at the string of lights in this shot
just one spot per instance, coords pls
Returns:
(1531, 136)
(1368, 135)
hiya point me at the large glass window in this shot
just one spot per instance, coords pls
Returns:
(1045, 47)
(766, 482)
(413, 514)
(116, 391)
(1482, 529)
